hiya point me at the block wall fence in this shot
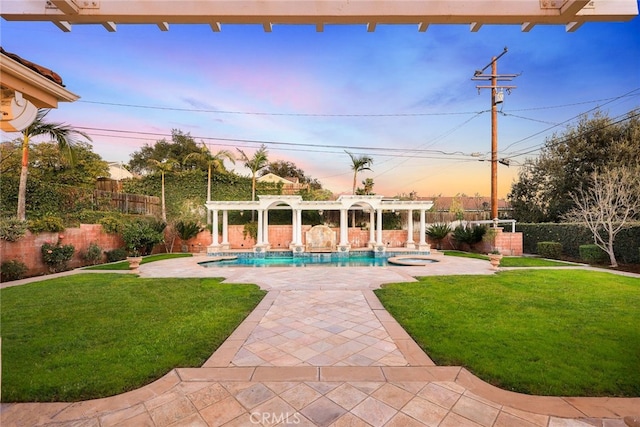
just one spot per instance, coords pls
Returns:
(27, 249)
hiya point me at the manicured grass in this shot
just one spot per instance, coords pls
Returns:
(124, 265)
(547, 332)
(516, 261)
(93, 335)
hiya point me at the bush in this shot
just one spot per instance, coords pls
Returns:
(57, 256)
(592, 254)
(12, 229)
(552, 250)
(12, 270)
(187, 229)
(116, 255)
(93, 254)
(141, 236)
(438, 231)
(46, 223)
(469, 234)
(111, 224)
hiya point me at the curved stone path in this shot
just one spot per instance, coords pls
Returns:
(320, 350)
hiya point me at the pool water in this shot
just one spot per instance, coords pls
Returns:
(299, 262)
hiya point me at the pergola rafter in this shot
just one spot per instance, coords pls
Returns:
(371, 13)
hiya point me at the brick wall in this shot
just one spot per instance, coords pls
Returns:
(27, 249)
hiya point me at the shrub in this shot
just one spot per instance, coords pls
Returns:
(551, 250)
(438, 231)
(250, 229)
(187, 229)
(57, 256)
(12, 229)
(46, 223)
(592, 254)
(12, 270)
(116, 254)
(469, 234)
(111, 224)
(140, 236)
(93, 254)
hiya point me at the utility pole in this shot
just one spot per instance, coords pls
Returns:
(496, 98)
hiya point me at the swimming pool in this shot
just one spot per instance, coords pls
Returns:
(356, 261)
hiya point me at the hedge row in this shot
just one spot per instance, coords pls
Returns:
(571, 236)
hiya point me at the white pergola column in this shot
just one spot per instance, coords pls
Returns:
(344, 234)
(265, 222)
(225, 229)
(215, 245)
(298, 236)
(379, 228)
(260, 230)
(410, 243)
(423, 245)
(372, 228)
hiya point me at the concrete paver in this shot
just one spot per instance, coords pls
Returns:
(320, 350)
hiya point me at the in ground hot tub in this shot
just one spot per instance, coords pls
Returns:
(411, 260)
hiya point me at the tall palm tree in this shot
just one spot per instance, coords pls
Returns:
(63, 134)
(358, 164)
(214, 162)
(259, 161)
(163, 167)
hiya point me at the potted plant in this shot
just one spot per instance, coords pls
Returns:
(138, 236)
(494, 255)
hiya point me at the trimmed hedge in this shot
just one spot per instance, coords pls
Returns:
(592, 254)
(571, 236)
(552, 250)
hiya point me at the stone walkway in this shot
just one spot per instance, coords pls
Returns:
(320, 350)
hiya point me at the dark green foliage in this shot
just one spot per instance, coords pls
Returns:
(469, 234)
(573, 235)
(552, 250)
(111, 224)
(180, 146)
(592, 254)
(541, 193)
(117, 254)
(47, 223)
(438, 231)
(141, 235)
(12, 229)
(188, 229)
(57, 256)
(250, 229)
(93, 254)
(12, 270)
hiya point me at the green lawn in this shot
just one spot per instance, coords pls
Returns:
(93, 335)
(547, 332)
(124, 265)
(515, 261)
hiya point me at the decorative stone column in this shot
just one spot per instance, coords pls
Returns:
(372, 229)
(296, 246)
(410, 244)
(214, 247)
(225, 231)
(380, 247)
(344, 246)
(423, 245)
(259, 247)
(265, 233)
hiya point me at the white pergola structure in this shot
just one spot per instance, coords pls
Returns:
(422, 13)
(375, 205)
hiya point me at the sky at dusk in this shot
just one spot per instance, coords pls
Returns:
(403, 97)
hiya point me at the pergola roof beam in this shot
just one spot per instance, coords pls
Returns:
(322, 12)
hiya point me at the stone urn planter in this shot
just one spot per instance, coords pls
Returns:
(134, 262)
(495, 259)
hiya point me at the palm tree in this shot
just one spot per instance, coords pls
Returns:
(165, 166)
(63, 134)
(254, 164)
(358, 164)
(214, 161)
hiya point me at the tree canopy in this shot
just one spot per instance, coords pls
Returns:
(568, 159)
(180, 146)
